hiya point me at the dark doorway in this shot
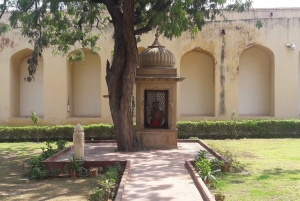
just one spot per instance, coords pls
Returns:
(156, 109)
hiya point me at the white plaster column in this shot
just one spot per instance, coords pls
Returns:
(78, 142)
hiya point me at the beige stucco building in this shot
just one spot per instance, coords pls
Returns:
(229, 66)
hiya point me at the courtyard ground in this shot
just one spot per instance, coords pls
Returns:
(272, 172)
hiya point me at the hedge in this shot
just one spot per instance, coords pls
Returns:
(186, 129)
(29, 133)
(239, 129)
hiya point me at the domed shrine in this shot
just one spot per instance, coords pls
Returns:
(156, 88)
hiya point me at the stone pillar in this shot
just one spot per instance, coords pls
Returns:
(78, 142)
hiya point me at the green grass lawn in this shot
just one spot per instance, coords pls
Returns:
(272, 169)
(12, 156)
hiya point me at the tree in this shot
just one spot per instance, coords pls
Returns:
(35, 119)
(64, 23)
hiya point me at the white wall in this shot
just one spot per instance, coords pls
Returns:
(197, 90)
(240, 35)
(87, 86)
(31, 93)
(254, 82)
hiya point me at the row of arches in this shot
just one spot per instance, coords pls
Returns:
(256, 84)
(83, 79)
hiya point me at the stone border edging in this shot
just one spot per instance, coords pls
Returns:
(124, 179)
(58, 154)
(202, 188)
(214, 153)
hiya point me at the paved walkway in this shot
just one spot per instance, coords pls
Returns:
(156, 175)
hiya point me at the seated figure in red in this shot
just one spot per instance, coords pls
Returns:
(156, 115)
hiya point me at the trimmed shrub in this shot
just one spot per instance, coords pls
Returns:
(186, 129)
(239, 129)
(59, 132)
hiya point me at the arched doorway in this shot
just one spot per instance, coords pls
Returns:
(84, 80)
(198, 89)
(26, 96)
(256, 82)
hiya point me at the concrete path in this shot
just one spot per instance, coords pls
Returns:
(156, 175)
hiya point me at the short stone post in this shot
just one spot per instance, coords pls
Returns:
(78, 142)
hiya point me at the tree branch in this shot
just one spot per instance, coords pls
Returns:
(112, 8)
(3, 9)
(144, 29)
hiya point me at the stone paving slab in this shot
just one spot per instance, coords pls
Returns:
(155, 175)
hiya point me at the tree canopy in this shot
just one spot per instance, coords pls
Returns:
(67, 24)
(63, 23)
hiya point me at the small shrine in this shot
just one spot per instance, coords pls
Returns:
(156, 94)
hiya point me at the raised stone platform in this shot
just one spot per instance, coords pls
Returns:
(157, 138)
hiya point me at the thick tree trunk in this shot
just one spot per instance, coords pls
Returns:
(120, 78)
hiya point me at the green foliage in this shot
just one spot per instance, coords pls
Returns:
(113, 172)
(61, 144)
(27, 133)
(77, 56)
(216, 164)
(110, 179)
(4, 28)
(106, 184)
(235, 165)
(48, 151)
(62, 24)
(233, 118)
(59, 24)
(201, 154)
(34, 118)
(33, 166)
(76, 166)
(193, 138)
(132, 106)
(204, 169)
(259, 24)
(186, 129)
(271, 128)
(98, 194)
(207, 168)
(239, 6)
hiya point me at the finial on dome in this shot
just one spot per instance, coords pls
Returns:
(156, 35)
(156, 56)
(156, 43)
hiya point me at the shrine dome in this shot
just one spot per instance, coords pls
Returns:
(156, 56)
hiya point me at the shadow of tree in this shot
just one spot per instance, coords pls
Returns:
(279, 172)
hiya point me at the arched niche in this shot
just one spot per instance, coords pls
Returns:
(26, 96)
(198, 89)
(84, 86)
(256, 82)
